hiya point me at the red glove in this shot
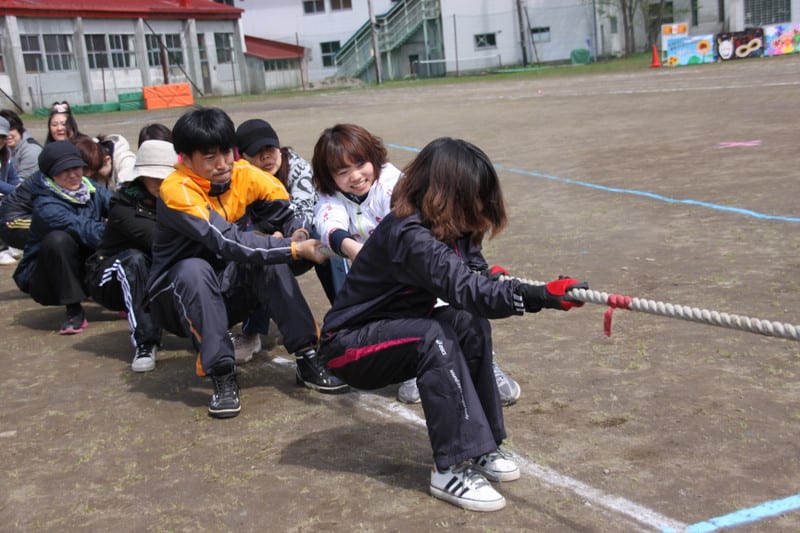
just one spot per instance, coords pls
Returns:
(495, 272)
(553, 295)
(557, 293)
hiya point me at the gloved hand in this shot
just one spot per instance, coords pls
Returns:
(495, 272)
(552, 295)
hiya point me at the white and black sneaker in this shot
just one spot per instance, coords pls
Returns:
(497, 466)
(144, 358)
(509, 389)
(465, 487)
(245, 346)
(408, 392)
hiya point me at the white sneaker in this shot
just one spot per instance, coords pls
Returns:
(497, 466)
(144, 359)
(6, 258)
(16, 253)
(509, 389)
(465, 487)
(408, 391)
(245, 346)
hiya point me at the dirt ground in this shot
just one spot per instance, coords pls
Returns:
(664, 425)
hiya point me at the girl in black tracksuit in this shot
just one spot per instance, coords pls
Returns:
(383, 327)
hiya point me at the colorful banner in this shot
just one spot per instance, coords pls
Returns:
(670, 31)
(690, 50)
(740, 44)
(781, 39)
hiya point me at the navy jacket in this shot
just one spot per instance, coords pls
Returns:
(84, 222)
(402, 270)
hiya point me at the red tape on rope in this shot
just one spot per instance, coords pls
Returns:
(614, 301)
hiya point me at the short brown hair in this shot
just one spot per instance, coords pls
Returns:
(340, 146)
(453, 186)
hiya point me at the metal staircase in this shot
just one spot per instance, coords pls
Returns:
(397, 26)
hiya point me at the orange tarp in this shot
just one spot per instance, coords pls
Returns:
(173, 95)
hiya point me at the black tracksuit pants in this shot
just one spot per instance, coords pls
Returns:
(193, 300)
(119, 283)
(450, 353)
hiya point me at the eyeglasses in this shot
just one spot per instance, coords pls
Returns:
(61, 107)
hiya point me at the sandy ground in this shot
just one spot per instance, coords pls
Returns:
(624, 180)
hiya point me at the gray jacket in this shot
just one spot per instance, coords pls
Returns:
(26, 156)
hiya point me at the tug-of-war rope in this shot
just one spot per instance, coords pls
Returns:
(683, 312)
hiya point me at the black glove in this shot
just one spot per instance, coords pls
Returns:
(553, 295)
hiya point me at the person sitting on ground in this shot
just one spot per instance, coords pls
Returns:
(118, 160)
(383, 327)
(61, 124)
(258, 144)
(355, 181)
(8, 182)
(69, 212)
(154, 132)
(208, 275)
(117, 272)
(25, 149)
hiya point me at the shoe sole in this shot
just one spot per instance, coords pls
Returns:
(142, 367)
(340, 389)
(469, 505)
(409, 402)
(491, 475)
(73, 331)
(224, 413)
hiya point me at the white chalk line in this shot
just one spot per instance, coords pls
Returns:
(642, 515)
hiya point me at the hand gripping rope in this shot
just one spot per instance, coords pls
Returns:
(692, 314)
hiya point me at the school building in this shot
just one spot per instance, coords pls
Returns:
(91, 51)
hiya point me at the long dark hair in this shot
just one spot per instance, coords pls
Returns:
(72, 124)
(453, 186)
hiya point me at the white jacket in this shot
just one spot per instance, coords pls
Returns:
(340, 213)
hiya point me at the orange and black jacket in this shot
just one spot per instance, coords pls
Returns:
(190, 222)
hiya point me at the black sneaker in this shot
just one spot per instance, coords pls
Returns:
(73, 324)
(225, 400)
(312, 373)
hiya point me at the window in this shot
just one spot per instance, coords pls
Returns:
(695, 13)
(542, 33)
(224, 44)
(329, 50)
(31, 53)
(338, 5)
(613, 25)
(2, 62)
(96, 51)
(271, 65)
(762, 12)
(485, 40)
(122, 55)
(58, 52)
(313, 6)
(172, 45)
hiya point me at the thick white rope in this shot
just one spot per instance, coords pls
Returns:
(692, 314)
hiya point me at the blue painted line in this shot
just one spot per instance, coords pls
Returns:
(753, 514)
(719, 207)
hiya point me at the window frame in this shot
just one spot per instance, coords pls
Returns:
(541, 34)
(485, 41)
(329, 56)
(341, 5)
(223, 43)
(97, 56)
(313, 7)
(58, 52)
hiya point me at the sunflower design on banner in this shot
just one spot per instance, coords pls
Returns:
(693, 50)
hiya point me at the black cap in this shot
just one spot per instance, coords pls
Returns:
(253, 135)
(58, 156)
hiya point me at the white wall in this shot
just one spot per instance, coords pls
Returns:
(285, 21)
